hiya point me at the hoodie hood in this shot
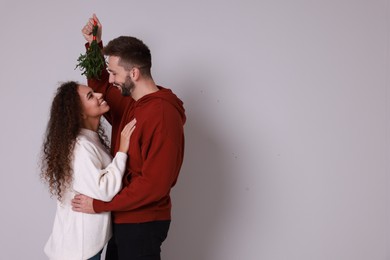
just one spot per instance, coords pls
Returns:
(167, 95)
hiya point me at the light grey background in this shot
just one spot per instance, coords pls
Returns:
(287, 139)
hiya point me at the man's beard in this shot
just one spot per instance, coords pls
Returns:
(127, 87)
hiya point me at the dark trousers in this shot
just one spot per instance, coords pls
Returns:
(141, 241)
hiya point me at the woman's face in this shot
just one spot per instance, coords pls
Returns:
(93, 104)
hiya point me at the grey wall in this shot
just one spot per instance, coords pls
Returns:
(287, 139)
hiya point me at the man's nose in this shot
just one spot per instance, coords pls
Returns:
(98, 95)
(111, 78)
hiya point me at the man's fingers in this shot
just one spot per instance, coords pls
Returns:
(77, 200)
(78, 197)
(87, 29)
(75, 203)
(91, 22)
(96, 19)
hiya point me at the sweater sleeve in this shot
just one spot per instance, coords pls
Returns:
(89, 176)
(159, 174)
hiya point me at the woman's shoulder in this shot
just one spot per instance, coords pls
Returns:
(84, 144)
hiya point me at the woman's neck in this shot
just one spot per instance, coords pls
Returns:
(91, 123)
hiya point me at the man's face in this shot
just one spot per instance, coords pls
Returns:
(119, 76)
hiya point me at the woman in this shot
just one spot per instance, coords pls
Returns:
(76, 160)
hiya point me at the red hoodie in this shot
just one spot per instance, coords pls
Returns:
(155, 154)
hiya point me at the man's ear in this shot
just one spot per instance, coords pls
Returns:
(135, 74)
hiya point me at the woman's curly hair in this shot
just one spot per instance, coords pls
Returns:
(64, 126)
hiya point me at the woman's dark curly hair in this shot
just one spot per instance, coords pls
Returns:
(64, 125)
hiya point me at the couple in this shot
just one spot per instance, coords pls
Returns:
(84, 177)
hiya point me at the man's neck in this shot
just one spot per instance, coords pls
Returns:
(143, 88)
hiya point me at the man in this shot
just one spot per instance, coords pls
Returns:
(142, 209)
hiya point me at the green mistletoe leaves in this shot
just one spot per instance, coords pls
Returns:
(92, 62)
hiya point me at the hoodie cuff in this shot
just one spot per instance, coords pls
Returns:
(100, 44)
(98, 206)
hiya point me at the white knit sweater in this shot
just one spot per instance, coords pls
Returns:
(79, 236)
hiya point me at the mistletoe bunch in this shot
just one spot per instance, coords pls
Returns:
(92, 62)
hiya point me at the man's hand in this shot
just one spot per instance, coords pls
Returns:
(82, 203)
(87, 29)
